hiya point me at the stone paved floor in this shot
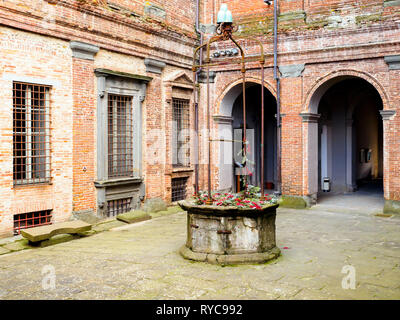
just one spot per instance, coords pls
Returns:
(142, 262)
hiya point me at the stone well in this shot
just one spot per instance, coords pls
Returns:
(229, 235)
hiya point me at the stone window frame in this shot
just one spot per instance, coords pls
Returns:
(179, 86)
(119, 83)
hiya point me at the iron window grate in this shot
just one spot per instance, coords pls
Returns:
(116, 207)
(180, 133)
(120, 136)
(31, 219)
(31, 133)
(178, 188)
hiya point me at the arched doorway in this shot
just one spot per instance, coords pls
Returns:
(349, 138)
(231, 129)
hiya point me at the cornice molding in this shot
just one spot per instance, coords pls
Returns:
(387, 114)
(154, 66)
(222, 119)
(393, 62)
(310, 117)
(82, 50)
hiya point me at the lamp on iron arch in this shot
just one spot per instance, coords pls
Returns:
(224, 22)
(224, 15)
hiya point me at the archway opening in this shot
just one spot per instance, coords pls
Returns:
(350, 142)
(252, 167)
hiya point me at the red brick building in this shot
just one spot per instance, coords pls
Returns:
(98, 113)
(338, 65)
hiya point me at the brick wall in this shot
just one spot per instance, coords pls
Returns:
(332, 39)
(84, 133)
(36, 59)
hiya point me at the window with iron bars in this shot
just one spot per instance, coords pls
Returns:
(31, 133)
(120, 136)
(180, 133)
(31, 219)
(178, 188)
(116, 207)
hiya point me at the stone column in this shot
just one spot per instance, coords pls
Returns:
(84, 126)
(310, 156)
(350, 174)
(225, 162)
(326, 151)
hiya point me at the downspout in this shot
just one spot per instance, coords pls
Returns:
(196, 103)
(278, 102)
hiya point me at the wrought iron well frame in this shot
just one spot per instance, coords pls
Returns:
(225, 32)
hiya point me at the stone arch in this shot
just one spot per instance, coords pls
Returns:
(310, 123)
(232, 90)
(319, 88)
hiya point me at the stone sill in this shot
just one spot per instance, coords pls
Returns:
(182, 169)
(33, 184)
(107, 72)
(117, 182)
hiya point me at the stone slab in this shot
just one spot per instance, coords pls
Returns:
(133, 216)
(46, 232)
(3, 250)
(15, 246)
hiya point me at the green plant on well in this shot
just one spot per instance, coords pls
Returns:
(250, 198)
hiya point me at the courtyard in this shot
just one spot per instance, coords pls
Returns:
(141, 261)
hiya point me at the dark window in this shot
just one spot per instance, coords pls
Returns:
(31, 219)
(180, 133)
(116, 207)
(120, 135)
(31, 133)
(178, 189)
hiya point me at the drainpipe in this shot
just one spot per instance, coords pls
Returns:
(196, 102)
(278, 101)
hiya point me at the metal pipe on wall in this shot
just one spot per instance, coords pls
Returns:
(196, 103)
(262, 132)
(278, 101)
